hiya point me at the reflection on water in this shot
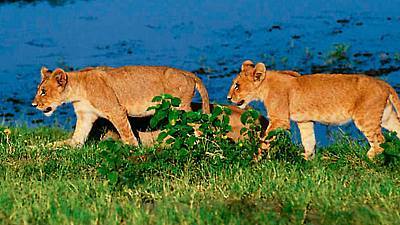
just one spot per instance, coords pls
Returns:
(211, 38)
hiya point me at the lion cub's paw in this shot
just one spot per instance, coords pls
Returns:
(308, 156)
(373, 153)
(265, 146)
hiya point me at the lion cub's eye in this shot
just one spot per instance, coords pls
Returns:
(42, 92)
(236, 86)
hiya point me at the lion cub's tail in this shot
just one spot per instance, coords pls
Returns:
(394, 99)
(202, 91)
(204, 95)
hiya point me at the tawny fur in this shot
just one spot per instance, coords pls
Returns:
(114, 94)
(325, 98)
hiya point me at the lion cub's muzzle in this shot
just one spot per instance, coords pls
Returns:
(46, 110)
(238, 103)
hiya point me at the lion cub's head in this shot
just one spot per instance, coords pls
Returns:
(244, 86)
(51, 90)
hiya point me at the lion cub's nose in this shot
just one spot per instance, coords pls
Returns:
(229, 98)
(34, 104)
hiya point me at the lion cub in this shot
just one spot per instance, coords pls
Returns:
(325, 98)
(114, 93)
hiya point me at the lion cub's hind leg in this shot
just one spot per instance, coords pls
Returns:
(390, 121)
(307, 139)
(368, 119)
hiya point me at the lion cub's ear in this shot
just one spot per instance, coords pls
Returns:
(45, 72)
(259, 72)
(61, 77)
(247, 64)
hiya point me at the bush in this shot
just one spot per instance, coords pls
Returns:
(190, 140)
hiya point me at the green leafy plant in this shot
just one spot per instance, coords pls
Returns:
(187, 140)
(391, 148)
(251, 131)
(185, 130)
(282, 147)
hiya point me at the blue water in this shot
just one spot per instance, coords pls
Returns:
(210, 37)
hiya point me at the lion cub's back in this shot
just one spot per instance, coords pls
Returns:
(136, 86)
(332, 98)
(136, 81)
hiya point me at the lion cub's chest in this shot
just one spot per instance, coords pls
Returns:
(86, 107)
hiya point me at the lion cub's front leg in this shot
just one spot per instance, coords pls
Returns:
(84, 123)
(278, 115)
(307, 139)
(274, 124)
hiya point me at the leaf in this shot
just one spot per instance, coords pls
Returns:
(158, 116)
(162, 136)
(167, 96)
(191, 115)
(176, 102)
(254, 114)
(243, 117)
(227, 110)
(277, 132)
(203, 126)
(204, 117)
(165, 105)
(225, 119)
(173, 117)
(153, 122)
(172, 131)
(157, 99)
(153, 107)
(217, 111)
(170, 140)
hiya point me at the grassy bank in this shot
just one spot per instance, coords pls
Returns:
(39, 185)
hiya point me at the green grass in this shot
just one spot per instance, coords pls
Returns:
(39, 185)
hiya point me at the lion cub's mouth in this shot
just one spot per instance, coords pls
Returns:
(240, 103)
(48, 111)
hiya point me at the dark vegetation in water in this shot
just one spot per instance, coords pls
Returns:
(341, 60)
(15, 101)
(50, 2)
